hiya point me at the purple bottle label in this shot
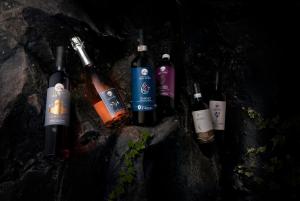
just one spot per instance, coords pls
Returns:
(166, 81)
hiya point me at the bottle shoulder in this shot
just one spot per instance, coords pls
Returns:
(199, 104)
(142, 60)
(218, 96)
(58, 77)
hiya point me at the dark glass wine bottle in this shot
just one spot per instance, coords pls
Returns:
(99, 90)
(217, 106)
(143, 103)
(165, 76)
(202, 118)
(57, 114)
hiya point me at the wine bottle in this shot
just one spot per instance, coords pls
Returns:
(202, 118)
(99, 90)
(57, 114)
(143, 102)
(217, 106)
(165, 76)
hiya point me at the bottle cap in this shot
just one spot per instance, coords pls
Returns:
(142, 48)
(165, 56)
(197, 92)
(197, 95)
(76, 43)
(78, 46)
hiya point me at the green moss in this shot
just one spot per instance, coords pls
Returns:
(127, 174)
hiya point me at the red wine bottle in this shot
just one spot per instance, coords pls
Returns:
(202, 118)
(217, 106)
(143, 103)
(165, 76)
(57, 113)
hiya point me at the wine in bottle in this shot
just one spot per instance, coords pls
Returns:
(57, 114)
(217, 106)
(165, 76)
(99, 89)
(202, 118)
(143, 103)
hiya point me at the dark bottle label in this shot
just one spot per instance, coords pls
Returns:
(143, 89)
(166, 81)
(112, 101)
(57, 106)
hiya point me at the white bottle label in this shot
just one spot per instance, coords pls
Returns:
(218, 110)
(202, 121)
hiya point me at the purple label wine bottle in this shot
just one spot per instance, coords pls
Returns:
(165, 76)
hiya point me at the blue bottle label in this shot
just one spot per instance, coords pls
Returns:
(112, 101)
(143, 89)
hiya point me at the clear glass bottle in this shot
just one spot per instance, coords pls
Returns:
(202, 118)
(99, 90)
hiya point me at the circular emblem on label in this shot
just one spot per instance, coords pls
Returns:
(144, 71)
(59, 87)
(109, 93)
(145, 88)
(163, 68)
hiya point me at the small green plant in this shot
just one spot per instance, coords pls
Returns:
(248, 170)
(127, 174)
(256, 117)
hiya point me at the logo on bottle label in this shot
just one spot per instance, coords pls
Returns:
(59, 87)
(143, 89)
(218, 110)
(112, 101)
(57, 106)
(144, 71)
(166, 81)
(162, 69)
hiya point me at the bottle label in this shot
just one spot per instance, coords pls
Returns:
(57, 106)
(166, 81)
(143, 89)
(218, 110)
(112, 101)
(202, 121)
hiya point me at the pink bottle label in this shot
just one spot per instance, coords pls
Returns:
(166, 81)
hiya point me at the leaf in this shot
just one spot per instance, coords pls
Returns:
(131, 144)
(248, 174)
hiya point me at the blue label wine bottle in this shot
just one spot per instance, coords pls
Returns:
(143, 103)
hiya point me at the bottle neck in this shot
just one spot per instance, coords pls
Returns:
(78, 46)
(59, 64)
(217, 83)
(86, 61)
